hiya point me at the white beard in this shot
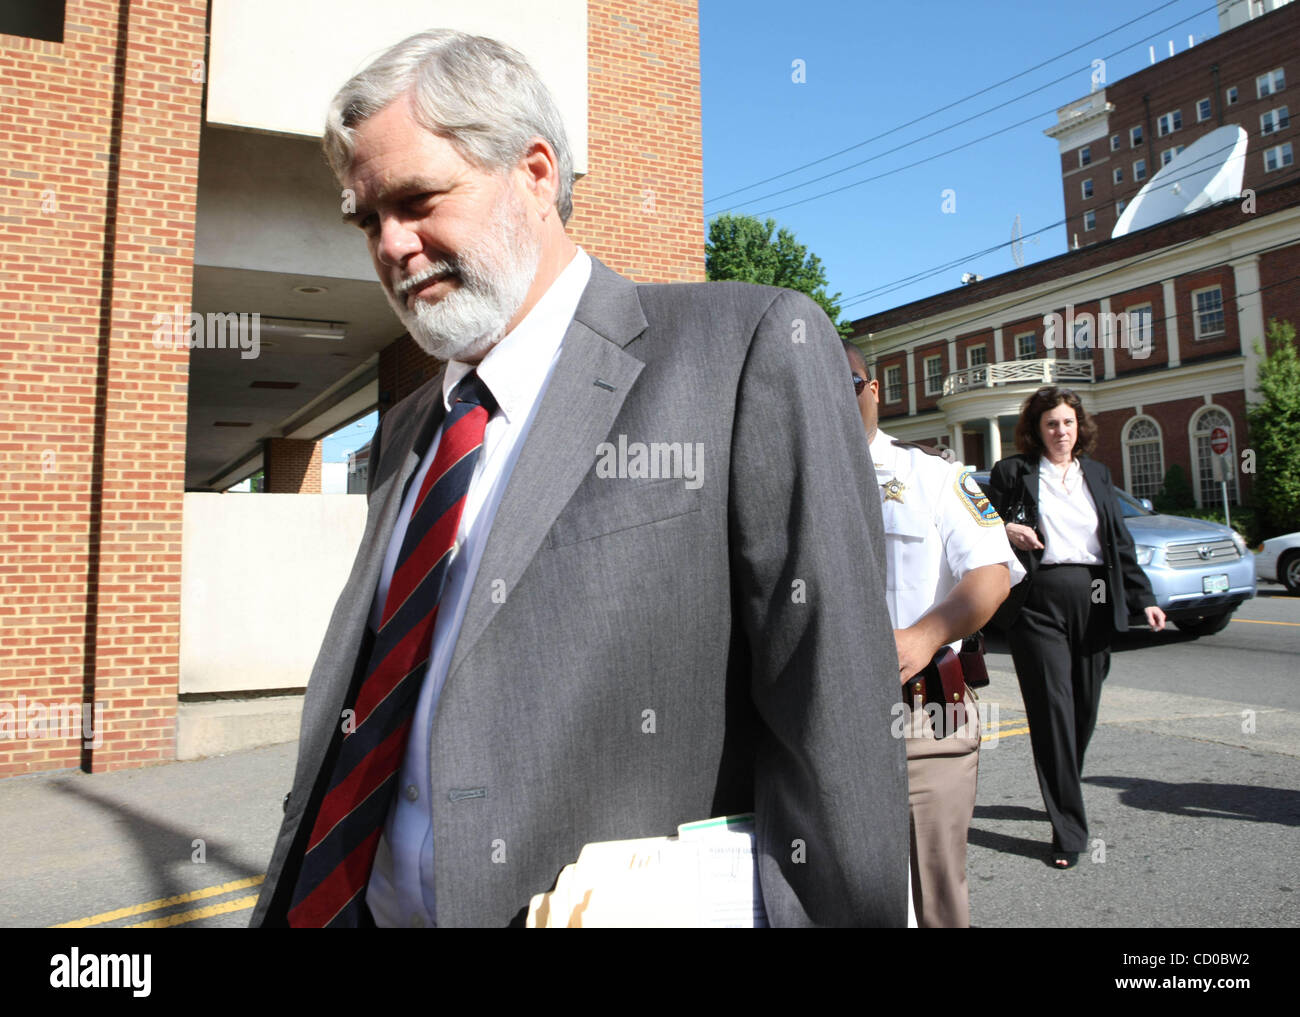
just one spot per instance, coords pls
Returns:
(495, 274)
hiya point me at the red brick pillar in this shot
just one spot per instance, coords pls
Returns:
(291, 466)
(101, 134)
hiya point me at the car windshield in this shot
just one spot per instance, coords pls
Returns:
(1129, 505)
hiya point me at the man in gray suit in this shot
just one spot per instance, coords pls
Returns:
(647, 615)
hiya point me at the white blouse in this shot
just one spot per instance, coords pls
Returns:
(1067, 516)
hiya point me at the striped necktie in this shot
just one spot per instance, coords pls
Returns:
(341, 850)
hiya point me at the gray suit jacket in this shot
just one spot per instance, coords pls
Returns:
(664, 651)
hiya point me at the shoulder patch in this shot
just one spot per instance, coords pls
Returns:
(929, 450)
(974, 498)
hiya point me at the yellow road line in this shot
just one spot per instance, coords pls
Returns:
(183, 917)
(1005, 734)
(162, 902)
(1254, 621)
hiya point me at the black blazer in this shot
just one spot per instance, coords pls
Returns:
(1014, 482)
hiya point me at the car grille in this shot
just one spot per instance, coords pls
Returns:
(1202, 553)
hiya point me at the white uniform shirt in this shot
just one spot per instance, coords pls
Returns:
(938, 526)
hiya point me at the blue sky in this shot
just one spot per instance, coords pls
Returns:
(870, 67)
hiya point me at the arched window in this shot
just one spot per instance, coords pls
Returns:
(1144, 457)
(1203, 425)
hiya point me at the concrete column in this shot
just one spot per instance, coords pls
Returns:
(1171, 322)
(955, 440)
(995, 441)
(907, 381)
(1107, 340)
(997, 346)
(1250, 316)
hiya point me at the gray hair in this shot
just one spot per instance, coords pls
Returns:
(479, 94)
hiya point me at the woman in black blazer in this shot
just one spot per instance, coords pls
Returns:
(1066, 526)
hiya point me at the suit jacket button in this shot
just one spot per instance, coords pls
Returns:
(284, 806)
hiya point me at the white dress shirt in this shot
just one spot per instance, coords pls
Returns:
(1067, 515)
(516, 371)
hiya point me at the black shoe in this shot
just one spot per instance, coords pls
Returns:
(1064, 859)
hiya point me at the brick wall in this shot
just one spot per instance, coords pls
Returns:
(1279, 281)
(292, 465)
(97, 197)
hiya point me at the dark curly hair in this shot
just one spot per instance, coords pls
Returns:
(1029, 441)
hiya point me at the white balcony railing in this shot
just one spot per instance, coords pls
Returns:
(1018, 372)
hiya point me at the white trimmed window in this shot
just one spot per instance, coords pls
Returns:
(934, 376)
(1026, 346)
(1086, 188)
(1137, 320)
(1135, 136)
(1167, 123)
(1081, 347)
(1203, 110)
(1119, 207)
(1085, 155)
(1089, 221)
(1207, 312)
(1117, 175)
(1114, 142)
(1274, 120)
(1270, 84)
(893, 384)
(977, 356)
(1144, 454)
(1203, 425)
(1230, 96)
(1167, 156)
(1277, 157)
(1140, 170)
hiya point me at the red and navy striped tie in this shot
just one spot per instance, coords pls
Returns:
(341, 850)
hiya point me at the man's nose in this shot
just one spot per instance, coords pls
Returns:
(396, 242)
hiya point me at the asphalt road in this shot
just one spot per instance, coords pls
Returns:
(1192, 785)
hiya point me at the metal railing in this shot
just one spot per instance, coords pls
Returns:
(1018, 372)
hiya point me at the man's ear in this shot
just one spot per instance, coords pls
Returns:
(539, 171)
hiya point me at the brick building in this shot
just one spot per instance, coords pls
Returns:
(1156, 329)
(161, 179)
(1118, 137)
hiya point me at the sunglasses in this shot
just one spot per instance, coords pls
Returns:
(859, 383)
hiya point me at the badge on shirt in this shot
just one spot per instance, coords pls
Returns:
(975, 500)
(894, 490)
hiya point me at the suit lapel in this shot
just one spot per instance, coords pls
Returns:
(1030, 486)
(591, 380)
(1092, 476)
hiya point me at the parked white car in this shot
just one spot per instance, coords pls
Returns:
(1278, 561)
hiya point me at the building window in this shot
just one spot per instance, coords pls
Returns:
(934, 376)
(1207, 312)
(1203, 427)
(1026, 346)
(1086, 188)
(977, 356)
(1117, 175)
(33, 19)
(1089, 221)
(1230, 96)
(1085, 155)
(1082, 345)
(1270, 83)
(1120, 206)
(1277, 157)
(1137, 322)
(1274, 120)
(893, 384)
(1135, 136)
(1145, 457)
(1167, 123)
(1140, 170)
(1203, 111)
(1114, 142)
(1167, 156)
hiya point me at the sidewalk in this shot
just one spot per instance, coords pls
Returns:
(81, 847)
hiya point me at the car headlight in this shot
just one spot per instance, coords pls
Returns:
(1145, 553)
(1240, 541)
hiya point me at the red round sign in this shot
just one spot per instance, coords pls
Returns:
(1219, 440)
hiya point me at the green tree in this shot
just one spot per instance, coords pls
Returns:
(1176, 491)
(744, 249)
(1275, 432)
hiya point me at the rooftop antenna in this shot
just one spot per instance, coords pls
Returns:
(1017, 244)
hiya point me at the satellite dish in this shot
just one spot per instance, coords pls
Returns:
(1208, 171)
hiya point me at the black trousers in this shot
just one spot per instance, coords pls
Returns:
(1060, 643)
